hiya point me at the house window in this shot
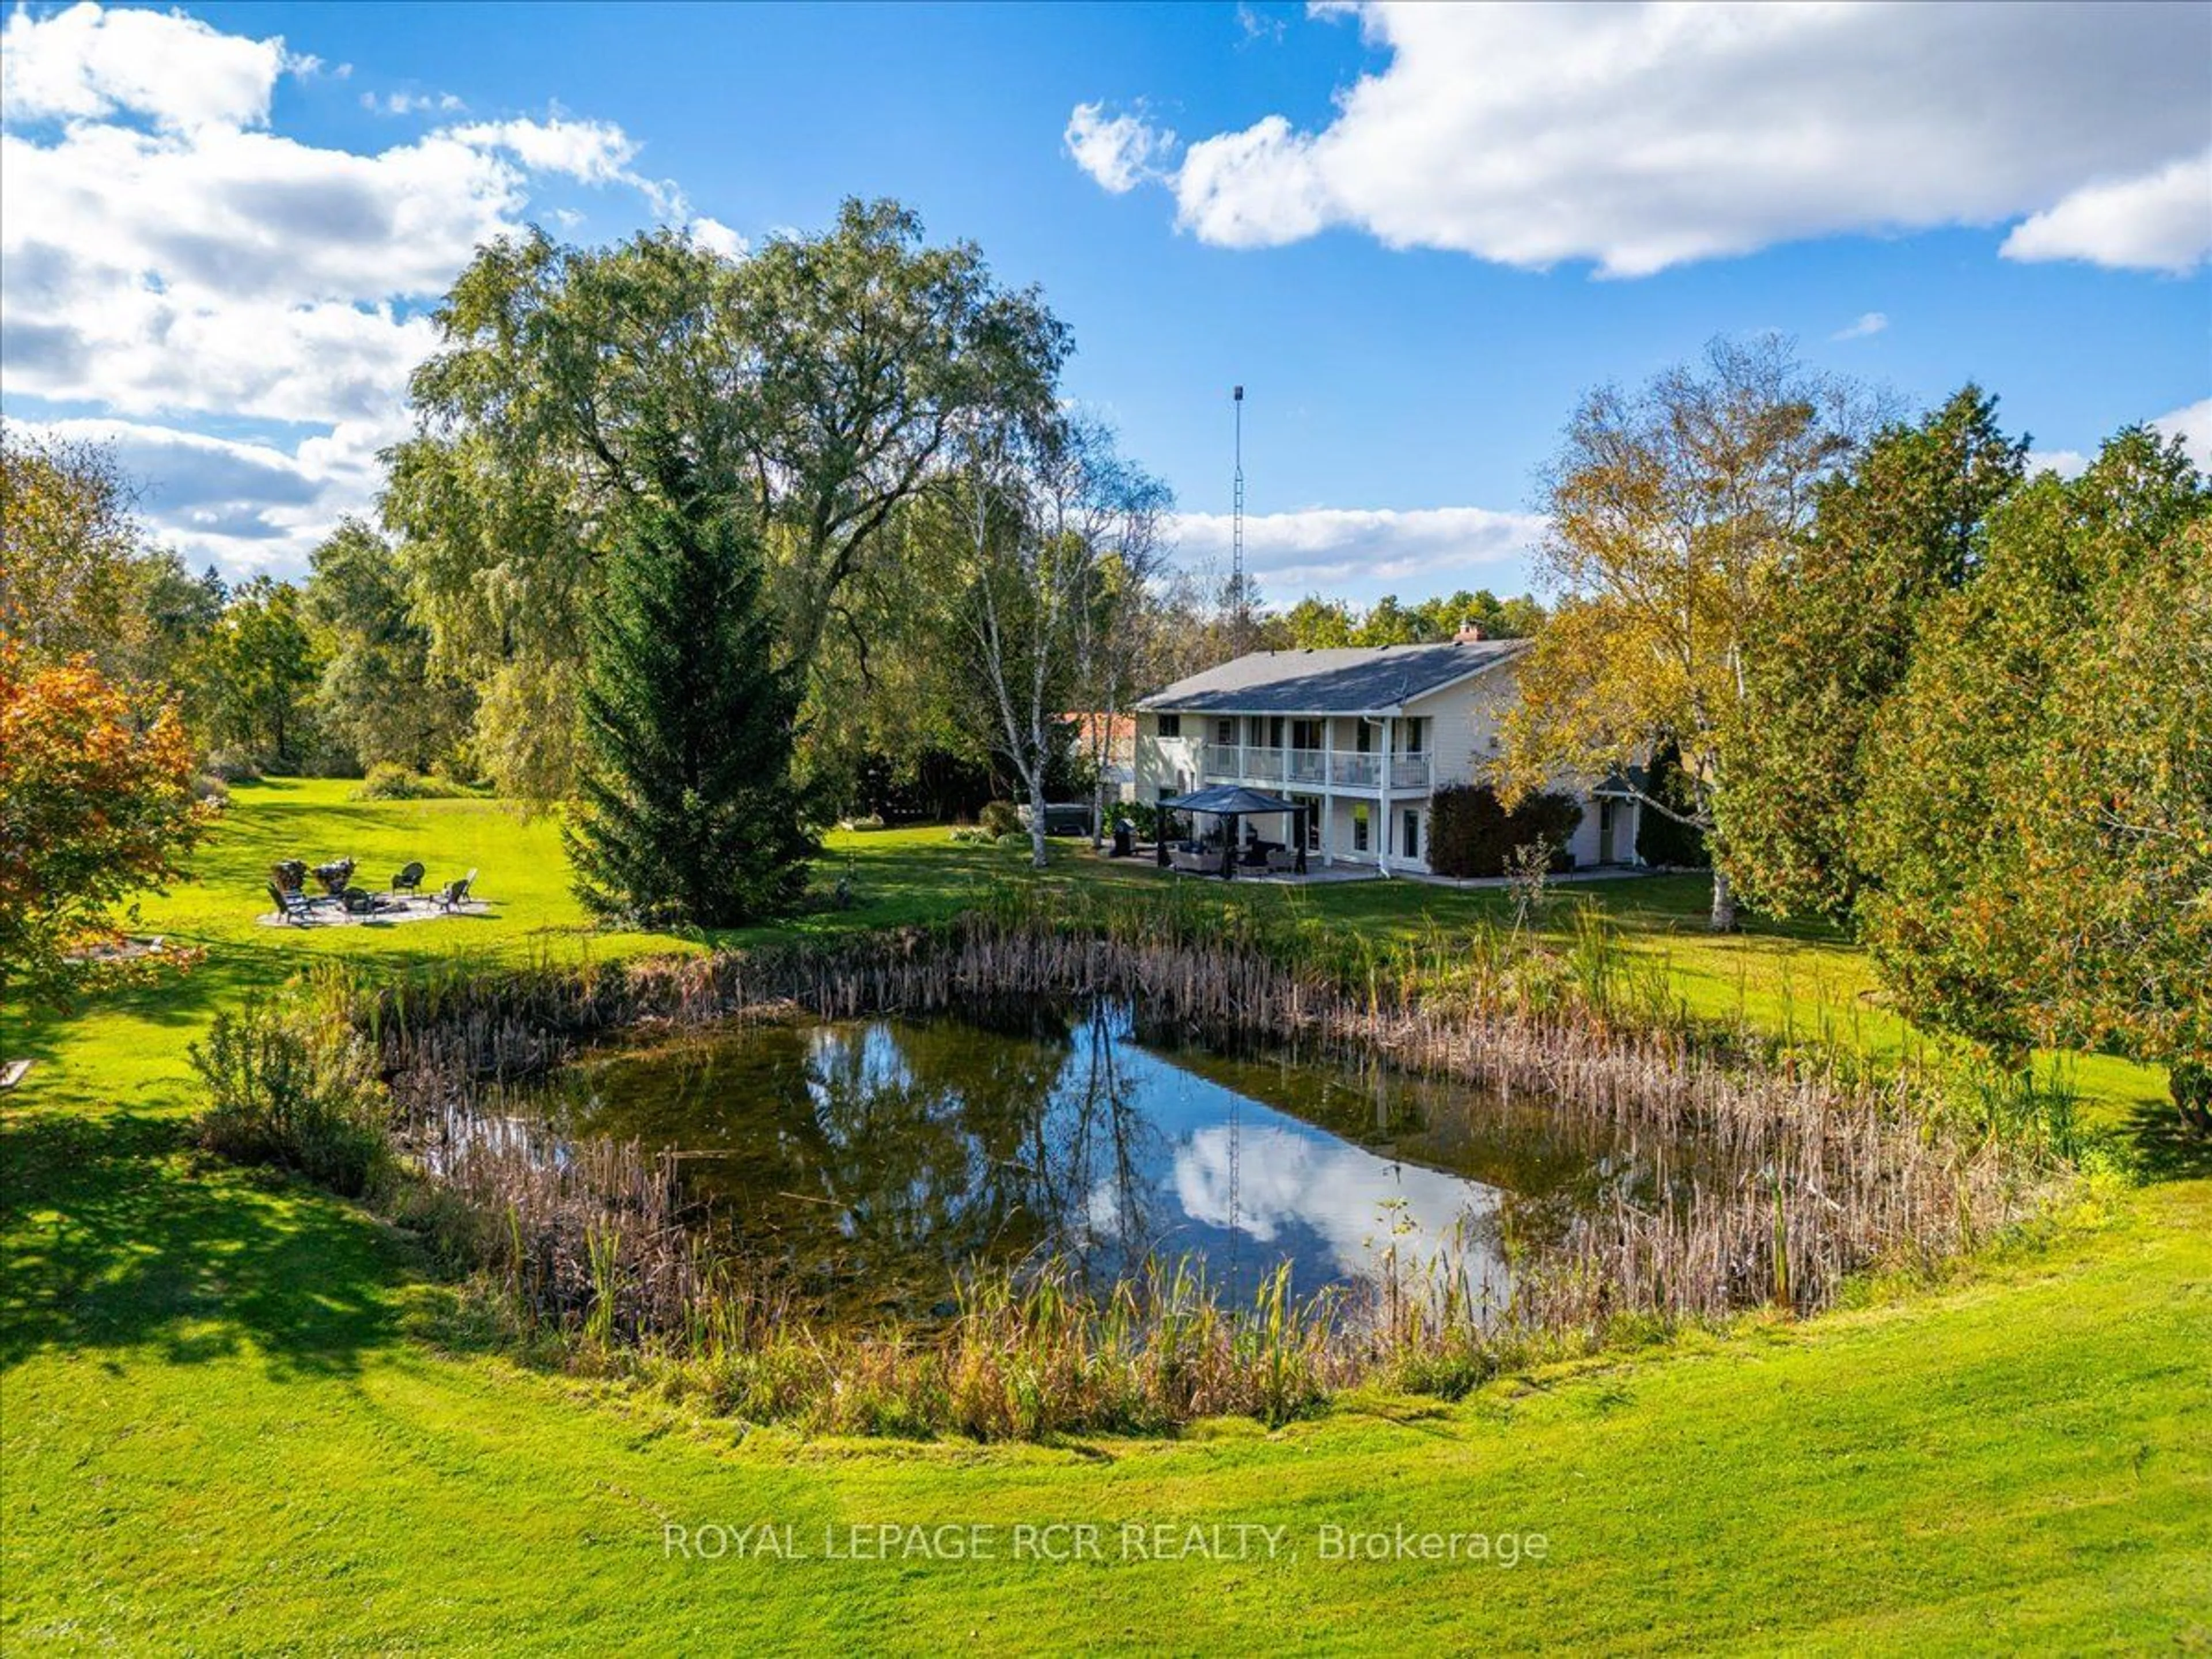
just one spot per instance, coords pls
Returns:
(1313, 821)
(1255, 731)
(1170, 726)
(1359, 826)
(1363, 736)
(1413, 834)
(1306, 734)
(1414, 730)
(1224, 733)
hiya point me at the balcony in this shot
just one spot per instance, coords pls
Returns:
(1317, 768)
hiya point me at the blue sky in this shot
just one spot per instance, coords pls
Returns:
(1416, 237)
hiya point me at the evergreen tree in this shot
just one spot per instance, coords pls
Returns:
(2037, 806)
(688, 810)
(1903, 527)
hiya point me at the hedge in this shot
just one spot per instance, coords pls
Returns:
(1470, 834)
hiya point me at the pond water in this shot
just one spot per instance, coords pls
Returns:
(874, 1158)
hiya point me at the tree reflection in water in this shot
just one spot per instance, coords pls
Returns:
(873, 1158)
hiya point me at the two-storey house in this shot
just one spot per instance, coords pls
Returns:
(1363, 737)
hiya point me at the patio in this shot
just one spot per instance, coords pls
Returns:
(1314, 875)
(391, 913)
(1226, 853)
(341, 904)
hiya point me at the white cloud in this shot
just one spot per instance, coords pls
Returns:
(412, 103)
(245, 506)
(713, 234)
(1360, 553)
(2193, 426)
(596, 152)
(1642, 136)
(232, 271)
(2191, 423)
(86, 63)
(1260, 26)
(2161, 221)
(164, 255)
(1118, 151)
(1871, 323)
(1270, 1183)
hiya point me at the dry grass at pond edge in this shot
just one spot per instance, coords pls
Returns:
(1841, 1173)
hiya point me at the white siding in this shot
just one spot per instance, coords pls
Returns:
(1461, 746)
(1166, 763)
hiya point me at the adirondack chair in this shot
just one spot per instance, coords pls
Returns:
(455, 894)
(294, 905)
(409, 880)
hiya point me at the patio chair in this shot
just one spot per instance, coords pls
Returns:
(409, 880)
(289, 875)
(1282, 861)
(295, 906)
(455, 894)
(359, 901)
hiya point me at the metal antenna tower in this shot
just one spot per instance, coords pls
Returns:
(1240, 616)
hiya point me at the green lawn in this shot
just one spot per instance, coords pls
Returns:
(235, 1414)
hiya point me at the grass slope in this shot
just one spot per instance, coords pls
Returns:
(236, 1416)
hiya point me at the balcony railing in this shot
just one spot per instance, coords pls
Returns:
(1333, 768)
(1350, 769)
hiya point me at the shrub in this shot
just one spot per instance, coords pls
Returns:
(209, 787)
(1663, 841)
(970, 835)
(232, 766)
(1000, 817)
(293, 1086)
(1142, 815)
(872, 821)
(389, 781)
(1471, 833)
(1014, 838)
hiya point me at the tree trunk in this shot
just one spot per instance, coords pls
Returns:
(2189, 1081)
(1033, 778)
(1724, 917)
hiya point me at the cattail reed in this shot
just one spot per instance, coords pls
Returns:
(1819, 1171)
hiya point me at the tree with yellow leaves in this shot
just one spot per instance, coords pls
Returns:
(95, 805)
(1669, 510)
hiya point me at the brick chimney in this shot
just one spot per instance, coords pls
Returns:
(1470, 634)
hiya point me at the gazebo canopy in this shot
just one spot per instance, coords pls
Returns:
(1231, 799)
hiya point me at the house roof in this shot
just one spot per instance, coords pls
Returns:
(1228, 798)
(1348, 680)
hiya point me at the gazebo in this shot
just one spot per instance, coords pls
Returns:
(1232, 803)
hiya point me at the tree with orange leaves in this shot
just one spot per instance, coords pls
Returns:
(93, 807)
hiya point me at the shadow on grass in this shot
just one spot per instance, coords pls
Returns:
(2166, 1148)
(115, 1239)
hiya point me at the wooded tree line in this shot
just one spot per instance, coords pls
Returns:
(1962, 710)
(1315, 623)
(331, 675)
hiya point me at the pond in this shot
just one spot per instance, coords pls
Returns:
(872, 1159)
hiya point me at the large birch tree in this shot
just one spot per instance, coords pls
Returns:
(1669, 510)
